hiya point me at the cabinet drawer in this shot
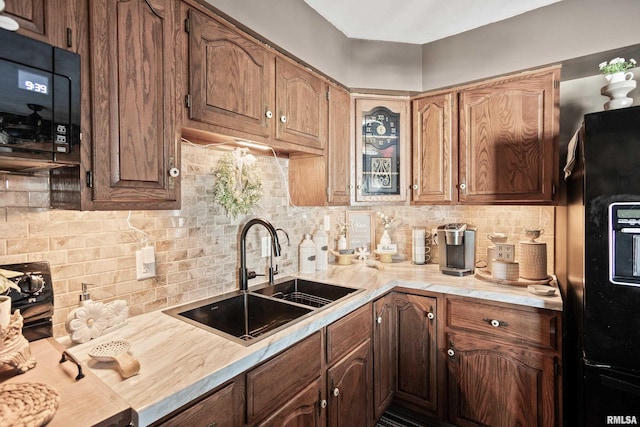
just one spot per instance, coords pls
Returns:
(345, 334)
(222, 408)
(272, 384)
(533, 326)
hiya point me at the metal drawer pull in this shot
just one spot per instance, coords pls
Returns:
(495, 323)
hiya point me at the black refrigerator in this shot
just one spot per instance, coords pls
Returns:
(603, 271)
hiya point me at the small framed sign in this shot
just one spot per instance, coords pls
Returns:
(361, 230)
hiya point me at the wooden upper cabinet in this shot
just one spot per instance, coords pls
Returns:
(35, 19)
(338, 156)
(231, 78)
(508, 139)
(51, 21)
(382, 128)
(133, 106)
(434, 148)
(301, 106)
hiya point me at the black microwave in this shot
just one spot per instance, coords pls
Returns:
(39, 105)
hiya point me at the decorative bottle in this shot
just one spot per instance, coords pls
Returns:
(307, 261)
(322, 259)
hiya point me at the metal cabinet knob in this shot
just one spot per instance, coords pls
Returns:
(379, 319)
(431, 316)
(414, 187)
(463, 186)
(174, 172)
(451, 353)
(283, 119)
(336, 391)
(323, 403)
(268, 114)
(495, 323)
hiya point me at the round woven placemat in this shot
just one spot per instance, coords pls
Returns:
(27, 404)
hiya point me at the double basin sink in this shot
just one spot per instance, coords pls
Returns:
(247, 317)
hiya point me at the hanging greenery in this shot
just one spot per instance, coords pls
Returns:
(238, 185)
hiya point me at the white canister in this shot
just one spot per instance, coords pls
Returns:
(504, 270)
(322, 255)
(534, 260)
(307, 261)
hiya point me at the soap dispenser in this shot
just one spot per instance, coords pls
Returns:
(83, 299)
(307, 255)
(322, 249)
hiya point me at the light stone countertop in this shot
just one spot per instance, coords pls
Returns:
(180, 362)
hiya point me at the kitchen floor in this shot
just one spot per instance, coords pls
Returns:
(397, 416)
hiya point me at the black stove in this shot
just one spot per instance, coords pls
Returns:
(35, 299)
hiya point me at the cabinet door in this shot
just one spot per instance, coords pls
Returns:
(133, 110)
(301, 106)
(384, 353)
(382, 134)
(272, 384)
(44, 20)
(231, 78)
(338, 155)
(434, 146)
(417, 353)
(350, 388)
(304, 409)
(508, 140)
(500, 385)
(223, 408)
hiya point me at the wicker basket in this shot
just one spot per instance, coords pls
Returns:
(533, 260)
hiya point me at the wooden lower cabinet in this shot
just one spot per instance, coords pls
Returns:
(304, 409)
(500, 385)
(416, 352)
(324, 380)
(503, 364)
(224, 407)
(384, 353)
(275, 382)
(350, 389)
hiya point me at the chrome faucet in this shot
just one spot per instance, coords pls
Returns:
(244, 274)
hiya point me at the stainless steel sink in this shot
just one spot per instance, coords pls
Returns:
(244, 318)
(247, 317)
(307, 292)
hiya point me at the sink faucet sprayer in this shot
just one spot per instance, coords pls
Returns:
(244, 275)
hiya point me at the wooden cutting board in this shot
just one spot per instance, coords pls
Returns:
(85, 402)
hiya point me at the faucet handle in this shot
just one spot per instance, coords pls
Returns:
(252, 274)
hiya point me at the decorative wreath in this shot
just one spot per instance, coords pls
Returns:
(238, 185)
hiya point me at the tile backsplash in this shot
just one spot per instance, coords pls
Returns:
(197, 246)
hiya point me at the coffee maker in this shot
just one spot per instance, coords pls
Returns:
(457, 248)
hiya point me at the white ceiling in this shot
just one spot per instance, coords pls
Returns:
(417, 21)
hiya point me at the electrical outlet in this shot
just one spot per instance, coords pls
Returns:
(145, 263)
(266, 246)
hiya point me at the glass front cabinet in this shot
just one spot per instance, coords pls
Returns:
(382, 129)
